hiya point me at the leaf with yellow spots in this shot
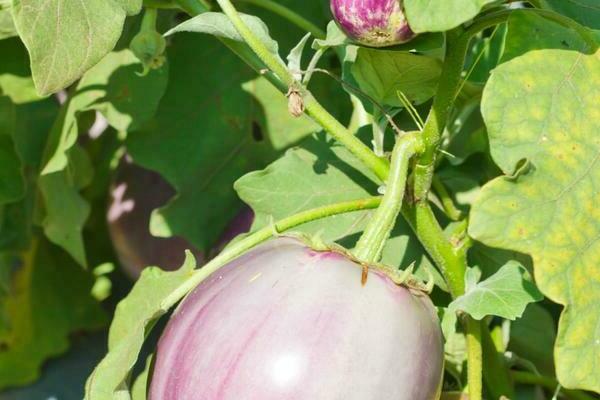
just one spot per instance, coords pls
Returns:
(543, 108)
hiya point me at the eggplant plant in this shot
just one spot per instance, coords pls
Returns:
(349, 199)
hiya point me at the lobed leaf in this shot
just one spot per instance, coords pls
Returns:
(548, 209)
(505, 294)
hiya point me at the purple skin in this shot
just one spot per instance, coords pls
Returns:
(136, 192)
(286, 322)
(376, 23)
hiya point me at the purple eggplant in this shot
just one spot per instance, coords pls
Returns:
(287, 322)
(376, 23)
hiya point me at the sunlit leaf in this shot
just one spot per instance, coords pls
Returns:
(437, 16)
(65, 39)
(548, 210)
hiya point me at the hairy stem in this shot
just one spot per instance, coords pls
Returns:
(549, 383)
(288, 14)
(450, 80)
(313, 108)
(447, 202)
(474, 358)
(370, 244)
(263, 234)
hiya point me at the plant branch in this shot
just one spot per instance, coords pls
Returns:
(447, 202)
(263, 234)
(549, 383)
(313, 108)
(370, 244)
(288, 14)
(449, 82)
(474, 358)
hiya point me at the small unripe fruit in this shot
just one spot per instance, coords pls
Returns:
(376, 23)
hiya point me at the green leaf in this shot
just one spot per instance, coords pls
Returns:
(15, 75)
(114, 88)
(134, 317)
(532, 337)
(283, 130)
(7, 26)
(586, 12)
(66, 213)
(50, 299)
(12, 187)
(382, 74)
(65, 39)
(548, 210)
(528, 31)
(210, 132)
(505, 294)
(438, 16)
(218, 24)
(318, 173)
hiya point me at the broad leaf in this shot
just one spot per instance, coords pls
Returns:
(115, 88)
(549, 209)
(65, 39)
(439, 16)
(15, 75)
(547, 35)
(277, 118)
(505, 294)
(50, 299)
(218, 24)
(66, 212)
(135, 315)
(7, 26)
(208, 141)
(586, 12)
(382, 74)
(318, 173)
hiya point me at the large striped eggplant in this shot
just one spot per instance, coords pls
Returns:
(287, 322)
(376, 23)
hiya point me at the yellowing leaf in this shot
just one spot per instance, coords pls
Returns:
(544, 107)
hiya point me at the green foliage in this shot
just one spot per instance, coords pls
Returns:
(504, 190)
(49, 299)
(547, 210)
(428, 16)
(133, 318)
(383, 74)
(505, 294)
(64, 41)
(586, 12)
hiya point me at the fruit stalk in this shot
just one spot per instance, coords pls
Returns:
(371, 243)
